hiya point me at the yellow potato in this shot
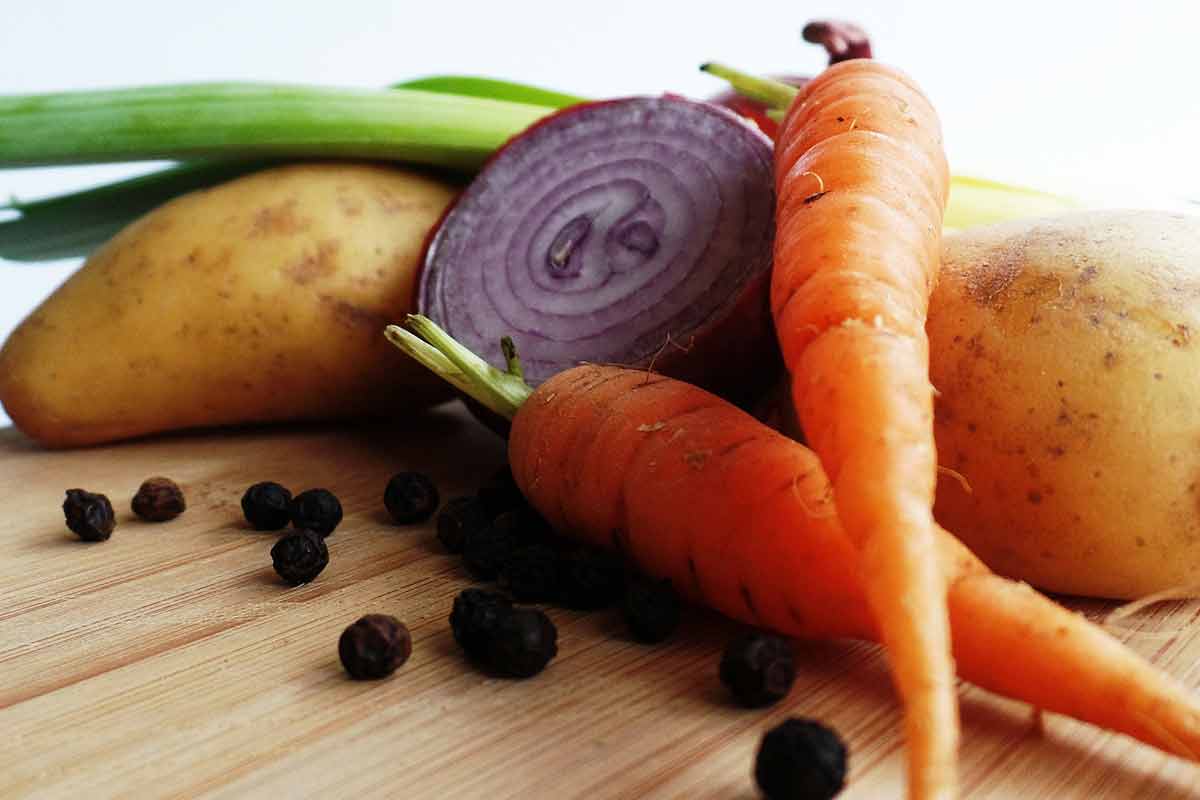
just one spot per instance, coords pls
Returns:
(261, 299)
(1066, 352)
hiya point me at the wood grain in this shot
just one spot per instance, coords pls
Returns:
(169, 661)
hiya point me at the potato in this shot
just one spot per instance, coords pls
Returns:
(261, 299)
(1065, 354)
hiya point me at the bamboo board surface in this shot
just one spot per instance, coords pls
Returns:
(169, 661)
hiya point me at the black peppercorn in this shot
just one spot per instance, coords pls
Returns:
(486, 550)
(316, 510)
(758, 668)
(501, 494)
(410, 497)
(592, 579)
(527, 526)
(300, 556)
(476, 614)
(374, 647)
(458, 517)
(267, 506)
(652, 609)
(532, 573)
(89, 516)
(522, 643)
(800, 759)
(158, 500)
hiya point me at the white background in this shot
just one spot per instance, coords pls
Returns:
(1099, 99)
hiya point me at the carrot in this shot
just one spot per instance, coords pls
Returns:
(861, 186)
(740, 518)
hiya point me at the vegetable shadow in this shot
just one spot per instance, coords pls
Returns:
(1021, 752)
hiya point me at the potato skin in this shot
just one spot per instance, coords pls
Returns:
(261, 299)
(1065, 354)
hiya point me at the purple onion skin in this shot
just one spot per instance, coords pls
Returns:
(603, 228)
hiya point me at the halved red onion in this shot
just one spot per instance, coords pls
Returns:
(635, 231)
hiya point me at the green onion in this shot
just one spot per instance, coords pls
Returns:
(471, 86)
(256, 120)
(72, 225)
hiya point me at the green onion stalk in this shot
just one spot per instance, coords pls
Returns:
(256, 120)
(226, 130)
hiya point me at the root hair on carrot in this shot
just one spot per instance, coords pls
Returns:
(820, 180)
(820, 192)
(958, 476)
(685, 349)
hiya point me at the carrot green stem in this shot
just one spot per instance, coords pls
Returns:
(502, 391)
(256, 120)
(771, 93)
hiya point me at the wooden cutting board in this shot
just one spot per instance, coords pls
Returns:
(170, 661)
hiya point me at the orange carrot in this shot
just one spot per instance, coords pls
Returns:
(740, 518)
(861, 185)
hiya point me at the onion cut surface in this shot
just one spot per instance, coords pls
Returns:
(635, 231)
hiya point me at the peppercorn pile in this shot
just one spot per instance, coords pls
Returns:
(500, 538)
(301, 555)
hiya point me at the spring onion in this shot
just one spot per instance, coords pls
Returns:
(256, 120)
(72, 225)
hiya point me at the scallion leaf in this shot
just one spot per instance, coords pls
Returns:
(255, 121)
